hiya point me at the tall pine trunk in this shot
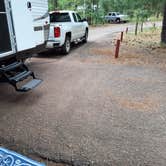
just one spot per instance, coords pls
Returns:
(55, 4)
(142, 26)
(136, 28)
(163, 34)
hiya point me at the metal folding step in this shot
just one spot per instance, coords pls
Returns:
(30, 85)
(11, 66)
(21, 76)
(17, 73)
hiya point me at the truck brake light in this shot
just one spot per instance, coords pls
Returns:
(57, 31)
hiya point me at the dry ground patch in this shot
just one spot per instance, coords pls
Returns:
(92, 108)
(143, 49)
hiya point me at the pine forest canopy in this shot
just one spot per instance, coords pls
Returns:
(95, 9)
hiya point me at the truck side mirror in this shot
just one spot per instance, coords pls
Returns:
(29, 5)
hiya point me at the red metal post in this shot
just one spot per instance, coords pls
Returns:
(121, 38)
(117, 48)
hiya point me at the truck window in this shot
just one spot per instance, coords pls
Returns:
(74, 17)
(60, 17)
(79, 18)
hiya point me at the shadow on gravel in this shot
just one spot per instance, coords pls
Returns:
(50, 54)
(57, 54)
(17, 98)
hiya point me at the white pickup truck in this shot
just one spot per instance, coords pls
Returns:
(116, 17)
(66, 27)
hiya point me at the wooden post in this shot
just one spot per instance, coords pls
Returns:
(121, 38)
(117, 49)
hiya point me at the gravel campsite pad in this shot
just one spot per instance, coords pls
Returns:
(91, 109)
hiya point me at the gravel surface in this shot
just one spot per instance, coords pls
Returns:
(89, 110)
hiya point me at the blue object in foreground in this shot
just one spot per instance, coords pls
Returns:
(10, 158)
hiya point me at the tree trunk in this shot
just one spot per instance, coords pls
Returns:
(136, 28)
(163, 34)
(56, 4)
(158, 14)
(142, 26)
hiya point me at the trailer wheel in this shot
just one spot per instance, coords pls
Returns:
(67, 46)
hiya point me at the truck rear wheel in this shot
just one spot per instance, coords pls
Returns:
(118, 20)
(67, 46)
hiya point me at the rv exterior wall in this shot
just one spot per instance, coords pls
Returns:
(28, 24)
(23, 25)
(39, 8)
(40, 19)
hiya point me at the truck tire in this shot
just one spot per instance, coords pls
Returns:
(118, 20)
(85, 38)
(67, 46)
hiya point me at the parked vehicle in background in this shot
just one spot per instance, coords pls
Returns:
(116, 17)
(66, 27)
(24, 29)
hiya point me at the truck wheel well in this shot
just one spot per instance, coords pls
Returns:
(68, 34)
(87, 29)
(118, 19)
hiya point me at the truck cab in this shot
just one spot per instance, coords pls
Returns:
(116, 17)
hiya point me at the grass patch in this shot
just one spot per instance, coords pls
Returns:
(144, 49)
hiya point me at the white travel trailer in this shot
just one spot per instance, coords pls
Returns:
(24, 29)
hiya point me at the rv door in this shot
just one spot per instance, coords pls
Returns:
(7, 45)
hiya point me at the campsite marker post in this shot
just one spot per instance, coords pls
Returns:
(117, 49)
(121, 38)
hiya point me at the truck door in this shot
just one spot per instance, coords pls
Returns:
(75, 28)
(81, 28)
(7, 45)
(78, 26)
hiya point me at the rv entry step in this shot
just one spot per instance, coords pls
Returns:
(19, 76)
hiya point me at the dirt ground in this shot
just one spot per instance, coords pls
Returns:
(92, 109)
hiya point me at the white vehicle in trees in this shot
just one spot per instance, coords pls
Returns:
(66, 27)
(116, 17)
(24, 29)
